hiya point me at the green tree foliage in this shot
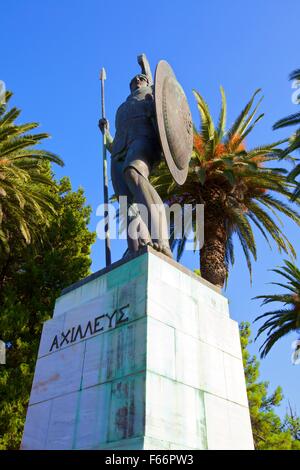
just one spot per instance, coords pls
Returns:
(294, 141)
(32, 277)
(292, 424)
(25, 199)
(237, 187)
(286, 318)
(269, 432)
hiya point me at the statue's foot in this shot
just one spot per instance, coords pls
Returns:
(166, 250)
(155, 245)
(144, 242)
(162, 247)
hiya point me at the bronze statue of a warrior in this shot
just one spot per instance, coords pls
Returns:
(139, 144)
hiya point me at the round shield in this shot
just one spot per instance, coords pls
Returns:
(174, 121)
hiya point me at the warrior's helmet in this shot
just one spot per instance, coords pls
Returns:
(141, 76)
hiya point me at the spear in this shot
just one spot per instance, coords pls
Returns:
(105, 179)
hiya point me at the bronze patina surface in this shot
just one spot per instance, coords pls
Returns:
(153, 120)
(174, 121)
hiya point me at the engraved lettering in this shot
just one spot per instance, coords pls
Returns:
(110, 317)
(72, 335)
(88, 327)
(96, 324)
(64, 338)
(122, 313)
(78, 332)
(54, 343)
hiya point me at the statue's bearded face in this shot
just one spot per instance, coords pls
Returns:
(138, 82)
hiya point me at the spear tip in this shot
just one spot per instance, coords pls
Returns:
(102, 74)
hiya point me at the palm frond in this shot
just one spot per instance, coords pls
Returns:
(295, 75)
(26, 187)
(281, 321)
(222, 118)
(236, 185)
(239, 122)
(290, 120)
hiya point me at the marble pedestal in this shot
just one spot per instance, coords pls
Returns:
(142, 355)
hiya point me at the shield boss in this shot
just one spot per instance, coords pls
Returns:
(174, 121)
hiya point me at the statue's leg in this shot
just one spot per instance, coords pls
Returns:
(141, 154)
(139, 235)
(136, 227)
(155, 217)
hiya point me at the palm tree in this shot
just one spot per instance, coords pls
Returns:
(294, 141)
(287, 318)
(25, 185)
(235, 186)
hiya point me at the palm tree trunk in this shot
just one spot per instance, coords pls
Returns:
(212, 255)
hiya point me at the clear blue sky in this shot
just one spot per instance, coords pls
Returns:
(51, 54)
